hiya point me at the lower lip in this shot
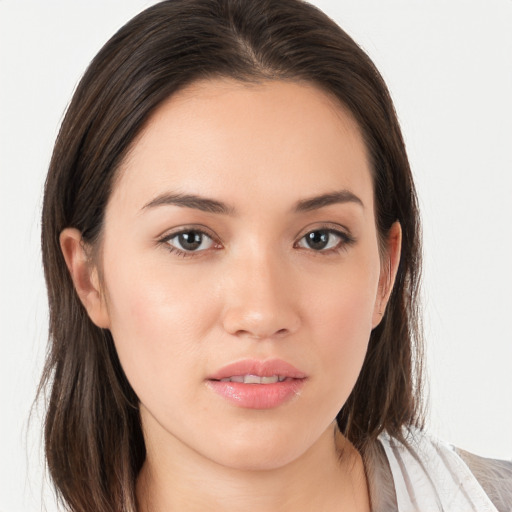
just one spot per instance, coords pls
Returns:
(258, 396)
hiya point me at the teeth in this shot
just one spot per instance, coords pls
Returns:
(254, 379)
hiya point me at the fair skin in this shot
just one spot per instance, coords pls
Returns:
(284, 264)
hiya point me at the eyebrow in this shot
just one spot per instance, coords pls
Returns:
(317, 202)
(190, 201)
(213, 206)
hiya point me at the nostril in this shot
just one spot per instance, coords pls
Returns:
(261, 323)
(260, 335)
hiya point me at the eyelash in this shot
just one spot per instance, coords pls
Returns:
(345, 241)
(186, 254)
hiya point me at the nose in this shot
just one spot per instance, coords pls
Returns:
(261, 302)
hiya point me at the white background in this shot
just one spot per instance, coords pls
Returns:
(448, 64)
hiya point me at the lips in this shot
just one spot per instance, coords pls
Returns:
(255, 379)
(267, 368)
(254, 384)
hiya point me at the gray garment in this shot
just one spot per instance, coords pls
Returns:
(494, 477)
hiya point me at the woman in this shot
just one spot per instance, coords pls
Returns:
(231, 247)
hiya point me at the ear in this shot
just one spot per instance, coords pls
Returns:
(388, 271)
(84, 275)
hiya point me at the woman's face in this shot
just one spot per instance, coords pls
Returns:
(240, 243)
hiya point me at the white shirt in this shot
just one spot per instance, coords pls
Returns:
(430, 476)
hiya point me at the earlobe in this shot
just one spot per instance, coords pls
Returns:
(84, 275)
(388, 272)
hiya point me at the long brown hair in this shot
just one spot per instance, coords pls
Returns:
(93, 439)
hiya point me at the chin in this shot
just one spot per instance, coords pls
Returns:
(260, 449)
(257, 459)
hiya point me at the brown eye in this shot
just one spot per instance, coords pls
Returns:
(321, 240)
(190, 241)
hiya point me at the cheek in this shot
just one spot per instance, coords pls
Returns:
(344, 328)
(156, 320)
(345, 298)
(342, 316)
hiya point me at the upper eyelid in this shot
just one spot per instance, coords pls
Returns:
(325, 226)
(173, 232)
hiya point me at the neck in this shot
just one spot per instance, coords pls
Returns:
(329, 476)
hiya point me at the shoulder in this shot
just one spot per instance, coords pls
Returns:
(429, 474)
(495, 477)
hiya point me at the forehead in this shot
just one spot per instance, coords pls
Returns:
(273, 140)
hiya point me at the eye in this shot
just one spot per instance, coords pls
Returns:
(188, 241)
(323, 240)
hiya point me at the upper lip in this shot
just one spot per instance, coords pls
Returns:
(266, 368)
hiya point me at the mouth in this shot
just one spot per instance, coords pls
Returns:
(255, 379)
(254, 384)
(254, 371)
